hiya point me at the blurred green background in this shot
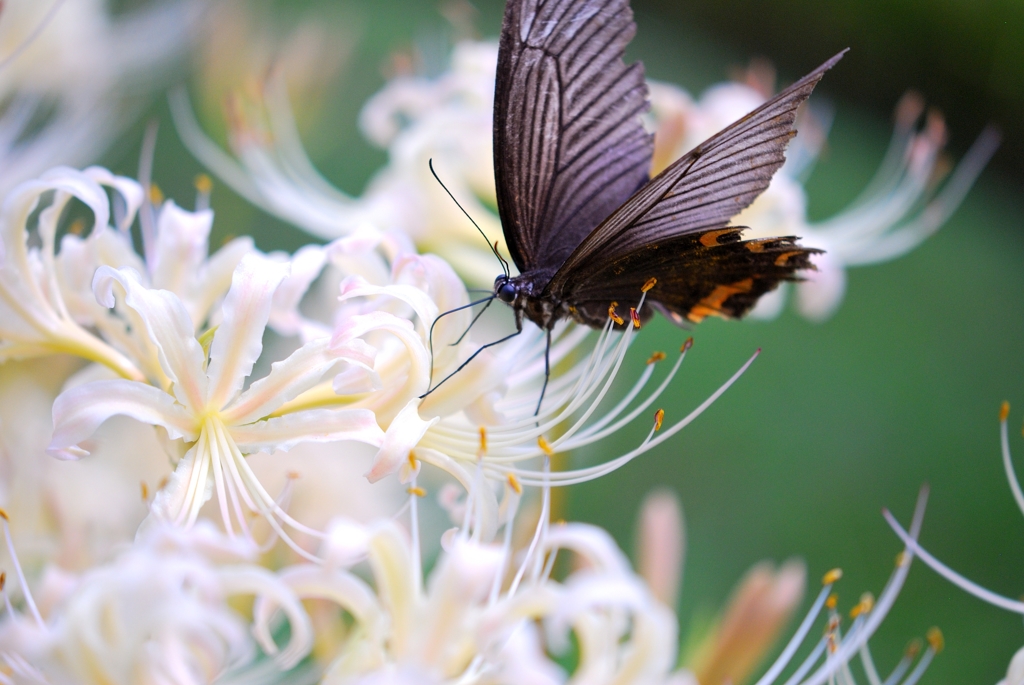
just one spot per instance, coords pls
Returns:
(833, 421)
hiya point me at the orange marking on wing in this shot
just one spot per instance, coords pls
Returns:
(710, 239)
(712, 304)
(755, 246)
(784, 257)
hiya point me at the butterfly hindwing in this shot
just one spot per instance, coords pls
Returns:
(700, 192)
(569, 147)
(711, 273)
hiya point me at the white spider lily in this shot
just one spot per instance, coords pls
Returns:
(47, 304)
(203, 403)
(73, 76)
(1015, 672)
(156, 614)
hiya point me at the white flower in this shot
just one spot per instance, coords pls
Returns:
(1015, 673)
(203, 403)
(157, 614)
(73, 76)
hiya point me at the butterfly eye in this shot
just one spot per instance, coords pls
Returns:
(507, 293)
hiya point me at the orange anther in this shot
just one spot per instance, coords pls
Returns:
(832, 576)
(145, 491)
(156, 196)
(417, 491)
(3, 514)
(412, 460)
(203, 183)
(651, 282)
(3, 579)
(545, 447)
(613, 315)
(514, 483)
(686, 345)
(655, 357)
(935, 640)
(832, 600)
(914, 648)
(483, 442)
(659, 416)
(635, 317)
(1004, 411)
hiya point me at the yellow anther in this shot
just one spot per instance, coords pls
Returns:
(77, 227)
(686, 345)
(417, 491)
(156, 196)
(3, 514)
(902, 559)
(293, 475)
(913, 649)
(655, 357)
(659, 416)
(3, 579)
(145, 491)
(832, 576)
(514, 483)
(203, 183)
(864, 606)
(412, 460)
(545, 447)
(634, 317)
(935, 639)
(613, 315)
(1004, 411)
(832, 600)
(651, 282)
(162, 484)
(483, 442)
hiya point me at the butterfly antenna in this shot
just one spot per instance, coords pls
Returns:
(494, 248)
(430, 336)
(471, 358)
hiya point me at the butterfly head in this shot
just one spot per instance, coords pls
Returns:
(505, 289)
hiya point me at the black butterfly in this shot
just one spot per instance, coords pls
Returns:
(585, 225)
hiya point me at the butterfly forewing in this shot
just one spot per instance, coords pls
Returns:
(569, 147)
(695, 196)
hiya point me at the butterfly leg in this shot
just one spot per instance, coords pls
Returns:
(430, 336)
(471, 358)
(471, 323)
(547, 372)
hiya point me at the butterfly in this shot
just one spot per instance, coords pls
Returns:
(586, 226)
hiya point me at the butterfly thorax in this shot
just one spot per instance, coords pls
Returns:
(525, 294)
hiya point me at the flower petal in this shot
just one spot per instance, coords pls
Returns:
(288, 378)
(313, 425)
(182, 243)
(239, 339)
(78, 412)
(169, 328)
(404, 433)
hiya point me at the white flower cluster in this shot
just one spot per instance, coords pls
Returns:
(174, 338)
(134, 354)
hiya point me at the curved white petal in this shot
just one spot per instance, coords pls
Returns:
(404, 433)
(182, 243)
(78, 412)
(239, 339)
(306, 265)
(313, 425)
(169, 328)
(288, 378)
(213, 281)
(128, 188)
